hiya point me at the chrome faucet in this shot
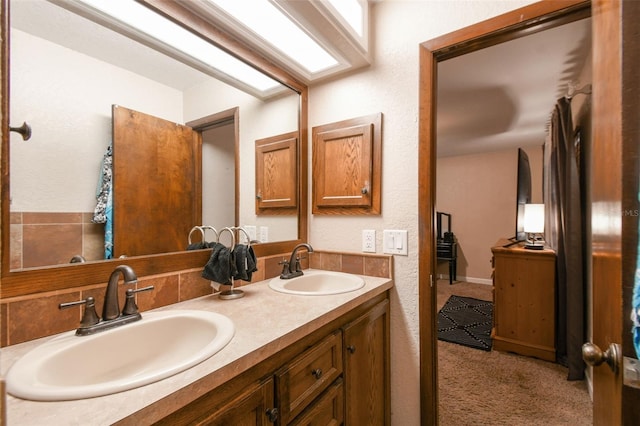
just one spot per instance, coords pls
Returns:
(111, 316)
(292, 269)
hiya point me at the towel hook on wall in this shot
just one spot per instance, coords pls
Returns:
(24, 130)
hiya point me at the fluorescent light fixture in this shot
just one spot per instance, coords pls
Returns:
(268, 22)
(351, 11)
(167, 32)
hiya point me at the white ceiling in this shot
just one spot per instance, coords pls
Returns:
(502, 96)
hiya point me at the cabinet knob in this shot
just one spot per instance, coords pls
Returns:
(351, 349)
(365, 188)
(272, 414)
(317, 373)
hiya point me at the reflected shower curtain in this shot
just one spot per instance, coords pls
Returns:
(563, 232)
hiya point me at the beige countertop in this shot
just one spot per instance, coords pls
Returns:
(266, 322)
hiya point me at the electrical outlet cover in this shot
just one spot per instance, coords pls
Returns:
(369, 240)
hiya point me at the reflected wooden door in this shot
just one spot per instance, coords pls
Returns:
(156, 183)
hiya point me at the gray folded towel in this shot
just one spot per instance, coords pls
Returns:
(221, 266)
(198, 246)
(246, 263)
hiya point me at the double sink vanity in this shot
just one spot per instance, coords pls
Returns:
(314, 346)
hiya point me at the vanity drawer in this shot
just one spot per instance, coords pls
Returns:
(304, 378)
(327, 410)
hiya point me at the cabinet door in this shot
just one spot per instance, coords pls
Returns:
(276, 174)
(255, 406)
(347, 166)
(366, 368)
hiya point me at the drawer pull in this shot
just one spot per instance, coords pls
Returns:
(317, 373)
(351, 349)
(272, 414)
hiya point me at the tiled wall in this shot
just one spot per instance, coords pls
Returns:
(30, 317)
(73, 233)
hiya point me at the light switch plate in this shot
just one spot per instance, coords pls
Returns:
(369, 240)
(395, 242)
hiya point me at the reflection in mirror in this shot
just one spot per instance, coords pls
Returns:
(66, 73)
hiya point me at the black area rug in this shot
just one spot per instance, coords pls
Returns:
(466, 321)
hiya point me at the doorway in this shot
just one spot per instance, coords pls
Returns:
(504, 28)
(220, 141)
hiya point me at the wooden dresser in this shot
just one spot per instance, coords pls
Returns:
(524, 296)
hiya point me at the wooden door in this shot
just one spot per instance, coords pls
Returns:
(614, 191)
(156, 183)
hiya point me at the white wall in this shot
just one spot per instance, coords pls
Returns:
(66, 97)
(218, 177)
(57, 169)
(390, 85)
(258, 120)
(479, 191)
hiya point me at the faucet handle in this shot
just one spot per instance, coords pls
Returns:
(89, 317)
(130, 307)
(285, 266)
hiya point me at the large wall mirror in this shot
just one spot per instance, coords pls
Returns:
(66, 70)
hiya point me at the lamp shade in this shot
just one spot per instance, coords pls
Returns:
(534, 218)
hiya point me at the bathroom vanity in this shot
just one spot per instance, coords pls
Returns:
(293, 358)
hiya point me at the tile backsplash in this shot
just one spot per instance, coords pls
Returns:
(74, 234)
(30, 317)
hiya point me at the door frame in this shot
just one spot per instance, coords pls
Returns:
(524, 21)
(219, 118)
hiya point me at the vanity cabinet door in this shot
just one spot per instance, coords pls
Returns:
(253, 406)
(366, 368)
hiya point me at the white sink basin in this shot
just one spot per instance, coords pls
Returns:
(317, 283)
(159, 345)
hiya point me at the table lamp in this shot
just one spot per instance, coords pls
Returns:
(533, 225)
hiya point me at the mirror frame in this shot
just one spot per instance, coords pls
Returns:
(48, 279)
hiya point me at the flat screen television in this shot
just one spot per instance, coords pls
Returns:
(523, 193)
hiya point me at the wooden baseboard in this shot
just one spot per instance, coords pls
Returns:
(522, 348)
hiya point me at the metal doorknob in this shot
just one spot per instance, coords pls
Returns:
(594, 356)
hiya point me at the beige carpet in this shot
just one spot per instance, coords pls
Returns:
(495, 388)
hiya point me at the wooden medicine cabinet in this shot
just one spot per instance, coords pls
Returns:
(276, 174)
(347, 158)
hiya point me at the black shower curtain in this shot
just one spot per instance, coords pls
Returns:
(564, 234)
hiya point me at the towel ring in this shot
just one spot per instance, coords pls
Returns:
(233, 236)
(196, 228)
(205, 227)
(232, 293)
(246, 234)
